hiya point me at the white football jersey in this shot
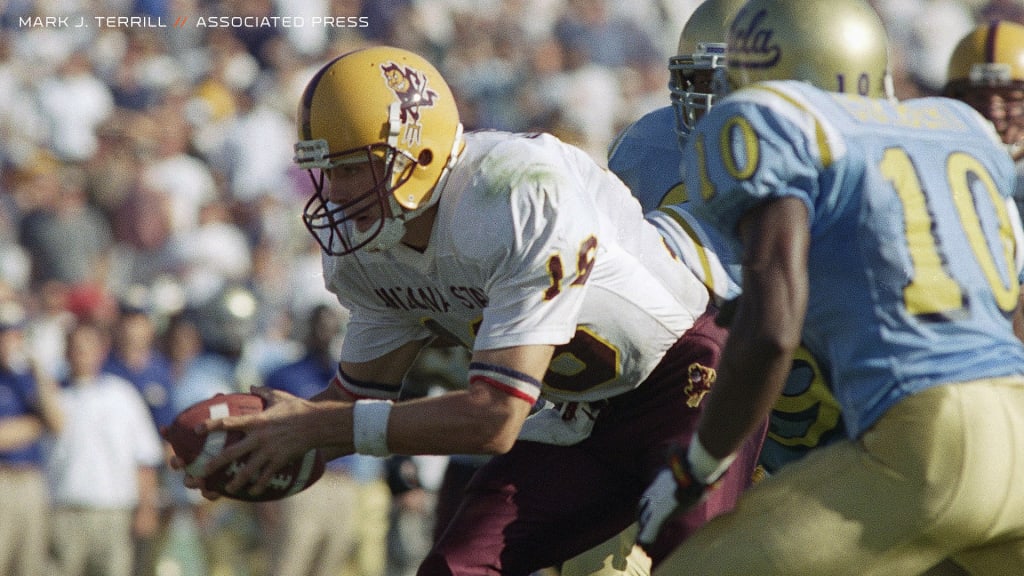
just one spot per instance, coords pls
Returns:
(534, 243)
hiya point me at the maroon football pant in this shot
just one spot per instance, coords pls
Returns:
(539, 505)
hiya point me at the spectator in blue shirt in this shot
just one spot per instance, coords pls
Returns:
(29, 408)
(136, 357)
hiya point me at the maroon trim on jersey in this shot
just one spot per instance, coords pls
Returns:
(990, 41)
(507, 380)
(362, 390)
(340, 383)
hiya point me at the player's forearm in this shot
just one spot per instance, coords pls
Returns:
(747, 387)
(755, 362)
(757, 358)
(766, 330)
(476, 421)
(483, 419)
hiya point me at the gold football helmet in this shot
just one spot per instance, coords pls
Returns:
(389, 107)
(786, 40)
(986, 70)
(698, 68)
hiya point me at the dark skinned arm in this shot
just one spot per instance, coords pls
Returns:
(767, 326)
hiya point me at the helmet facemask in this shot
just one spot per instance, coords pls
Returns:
(337, 227)
(696, 81)
(698, 71)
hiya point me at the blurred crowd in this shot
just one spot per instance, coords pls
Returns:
(158, 160)
(147, 188)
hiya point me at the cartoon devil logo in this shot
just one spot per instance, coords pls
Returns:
(410, 87)
(700, 379)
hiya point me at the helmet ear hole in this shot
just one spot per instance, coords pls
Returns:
(425, 157)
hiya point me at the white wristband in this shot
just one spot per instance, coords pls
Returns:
(706, 467)
(370, 427)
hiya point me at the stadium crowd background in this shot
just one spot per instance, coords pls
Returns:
(149, 168)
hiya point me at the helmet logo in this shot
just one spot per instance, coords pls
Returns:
(751, 45)
(410, 87)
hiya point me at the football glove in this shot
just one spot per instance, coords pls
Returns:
(675, 490)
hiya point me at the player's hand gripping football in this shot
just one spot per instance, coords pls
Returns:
(272, 438)
(675, 490)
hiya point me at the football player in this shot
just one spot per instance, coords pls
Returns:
(524, 250)
(696, 79)
(881, 234)
(986, 70)
(647, 155)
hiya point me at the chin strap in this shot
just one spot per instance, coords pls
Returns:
(453, 158)
(394, 228)
(394, 123)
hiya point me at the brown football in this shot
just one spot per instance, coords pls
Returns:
(196, 449)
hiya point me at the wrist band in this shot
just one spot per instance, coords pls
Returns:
(706, 467)
(370, 427)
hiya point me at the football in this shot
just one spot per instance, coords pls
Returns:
(196, 449)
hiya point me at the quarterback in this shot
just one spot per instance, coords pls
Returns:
(883, 236)
(592, 347)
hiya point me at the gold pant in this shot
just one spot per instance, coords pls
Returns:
(938, 476)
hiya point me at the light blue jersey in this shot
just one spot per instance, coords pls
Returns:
(913, 261)
(647, 157)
